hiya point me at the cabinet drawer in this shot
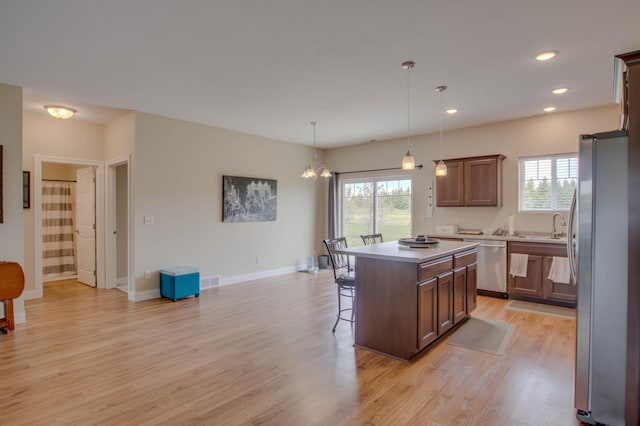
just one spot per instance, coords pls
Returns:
(434, 268)
(464, 258)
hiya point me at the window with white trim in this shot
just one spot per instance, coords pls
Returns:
(547, 183)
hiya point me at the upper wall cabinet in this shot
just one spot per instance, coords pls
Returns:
(471, 182)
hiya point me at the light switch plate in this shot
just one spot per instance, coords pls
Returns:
(148, 220)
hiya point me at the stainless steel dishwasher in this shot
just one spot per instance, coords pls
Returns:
(492, 267)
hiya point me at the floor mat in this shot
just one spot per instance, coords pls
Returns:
(540, 308)
(483, 335)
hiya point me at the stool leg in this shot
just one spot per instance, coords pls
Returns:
(333, 330)
(8, 306)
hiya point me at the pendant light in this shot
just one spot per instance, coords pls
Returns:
(441, 168)
(315, 168)
(408, 162)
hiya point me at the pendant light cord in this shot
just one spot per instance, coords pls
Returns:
(441, 123)
(408, 107)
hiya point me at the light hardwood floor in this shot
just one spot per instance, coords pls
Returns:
(262, 352)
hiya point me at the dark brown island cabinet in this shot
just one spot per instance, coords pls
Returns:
(536, 287)
(408, 299)
(471, 182)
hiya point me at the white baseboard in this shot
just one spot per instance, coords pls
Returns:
(258, 275)
(20, 317)
(235, 279)
(122, 281)
(31, 294)
(140, 296)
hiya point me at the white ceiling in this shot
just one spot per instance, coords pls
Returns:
(270, 67)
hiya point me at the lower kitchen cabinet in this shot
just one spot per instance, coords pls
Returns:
(531, 285)
(555, 291)
(536, 287)
(472, 287)
(427, 312)
(445, 302)
(459, 294)
(446, 294)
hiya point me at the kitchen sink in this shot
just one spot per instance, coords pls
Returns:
(541, 237)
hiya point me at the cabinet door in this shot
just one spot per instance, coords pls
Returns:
(450, 188)
(427, 312)
(459, 294)
(553, 290)
(472, 287)
(481, 182)
(531, 285)
(445, 302)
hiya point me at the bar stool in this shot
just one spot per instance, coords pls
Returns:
(344, 277)
(371, 239)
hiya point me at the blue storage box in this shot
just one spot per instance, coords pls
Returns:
(179, 282)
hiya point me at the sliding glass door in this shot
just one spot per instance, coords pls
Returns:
(375, 205)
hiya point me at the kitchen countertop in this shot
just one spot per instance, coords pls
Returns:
(393, 251)
(521, 237)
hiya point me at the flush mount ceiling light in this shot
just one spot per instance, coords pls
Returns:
(560, 90)
(60, 111)
(545, 56)
(315, 168)
(408, 162)
(549, 109)
(451, 110)
(441, 168)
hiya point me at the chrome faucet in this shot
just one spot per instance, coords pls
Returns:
(555, 234)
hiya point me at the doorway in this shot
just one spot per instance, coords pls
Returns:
(47, 167)
(118, 225)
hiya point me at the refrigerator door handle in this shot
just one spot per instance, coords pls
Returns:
(571, 253)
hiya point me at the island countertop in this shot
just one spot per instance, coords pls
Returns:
(393, 251)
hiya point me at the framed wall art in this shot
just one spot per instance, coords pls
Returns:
(248, 199)
(26, 190)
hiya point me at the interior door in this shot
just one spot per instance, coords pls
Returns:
(86, 225)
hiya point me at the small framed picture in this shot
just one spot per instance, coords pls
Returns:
(26, 190)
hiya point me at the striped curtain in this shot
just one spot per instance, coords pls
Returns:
(58, 260)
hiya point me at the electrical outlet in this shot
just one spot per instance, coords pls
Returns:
(148, 220)
(258, 260)
(147, 275)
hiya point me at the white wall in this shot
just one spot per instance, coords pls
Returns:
(177, 178)
(11, 244)
(120, 137)
(548, 134)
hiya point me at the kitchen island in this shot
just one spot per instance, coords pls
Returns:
(407, 299)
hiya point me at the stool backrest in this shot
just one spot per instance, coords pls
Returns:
(339, 262)
(371, 239)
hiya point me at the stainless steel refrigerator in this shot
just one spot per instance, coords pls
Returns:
(597, 247)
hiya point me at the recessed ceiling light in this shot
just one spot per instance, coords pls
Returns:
(545, 56)
(452, 110)
(549, 109)
(60, 111)
(560, 90)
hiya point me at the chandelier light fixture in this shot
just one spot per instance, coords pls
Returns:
(60, 111)
(408, 162)
(441, 168)
(315, 168)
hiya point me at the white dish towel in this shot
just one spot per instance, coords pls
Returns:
(559, 271)
(519, 265)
